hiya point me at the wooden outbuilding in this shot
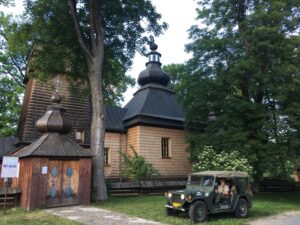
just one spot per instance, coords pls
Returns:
(54, 170)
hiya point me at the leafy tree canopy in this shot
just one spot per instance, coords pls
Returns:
(10, 106)
(14, 48)
(6, 2)
(176, 72)
(241, 88)
(50, 36)
(208, 159)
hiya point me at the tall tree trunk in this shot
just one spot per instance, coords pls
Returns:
(97, 129)
(93, 49)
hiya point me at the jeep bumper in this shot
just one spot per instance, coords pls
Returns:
(176, 208)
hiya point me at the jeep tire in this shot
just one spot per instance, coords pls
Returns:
(198, 212)
(242, 209)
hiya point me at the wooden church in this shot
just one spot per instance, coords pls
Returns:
(152, 122)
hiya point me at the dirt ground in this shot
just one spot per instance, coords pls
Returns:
(96, 216)
(288, 218)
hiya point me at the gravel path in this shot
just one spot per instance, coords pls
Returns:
(97, 216)
(288, 218)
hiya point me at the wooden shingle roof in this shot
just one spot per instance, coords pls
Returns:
(54, 125)
(7, 145)
(38, 97)
(154, 103)
(53, 145)
(114, 118)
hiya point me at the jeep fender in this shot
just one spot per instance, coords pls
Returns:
(242, 197)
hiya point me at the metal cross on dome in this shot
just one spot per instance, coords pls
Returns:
(152, 44)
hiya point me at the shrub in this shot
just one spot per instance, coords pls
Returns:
(208, 159)
(137, 168)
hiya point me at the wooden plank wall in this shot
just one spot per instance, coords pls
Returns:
(85, 180)
(34, 184)
(25, 181)
(43, 179)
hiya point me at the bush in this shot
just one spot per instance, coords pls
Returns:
(137, 168)
(208, 159)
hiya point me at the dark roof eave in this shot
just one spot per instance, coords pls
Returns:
(155, 122)
(180, 119)
(111, 130)
(44, 147)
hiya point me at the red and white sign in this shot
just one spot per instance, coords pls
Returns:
(10, 167)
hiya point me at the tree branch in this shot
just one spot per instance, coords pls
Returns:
(16, 79)
(18, 68)
(98, 23)
(83, 44)
(93, 34)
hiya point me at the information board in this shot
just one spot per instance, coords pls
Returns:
(10, 167)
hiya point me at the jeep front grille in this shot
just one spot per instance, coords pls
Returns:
(176, 198)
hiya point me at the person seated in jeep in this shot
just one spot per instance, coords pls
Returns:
(233, 190)
(198, 198)
(223, 188)
(222, 191)
(208, 181)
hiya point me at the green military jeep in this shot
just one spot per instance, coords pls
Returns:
(202, 195)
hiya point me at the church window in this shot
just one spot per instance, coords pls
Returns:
(106, 156)
(79, 135)
(165, 148)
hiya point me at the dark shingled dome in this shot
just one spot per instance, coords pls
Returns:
(153, 73)
(154, 103)
(55, 119)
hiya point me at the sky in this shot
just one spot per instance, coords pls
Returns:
(180, 16)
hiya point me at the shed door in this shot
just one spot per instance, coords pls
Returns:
(63, 179)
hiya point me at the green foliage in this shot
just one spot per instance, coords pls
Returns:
(14, 47)
(241, 88)
(137, 168)
(208, 159)
(56, 49)
(10, 106)
(176, 71)
(6, 2)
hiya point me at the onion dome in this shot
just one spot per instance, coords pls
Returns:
(153, 73)
(55, 119)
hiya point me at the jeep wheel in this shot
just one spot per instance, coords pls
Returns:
(198, 212)
(242, 209)
(171, 212)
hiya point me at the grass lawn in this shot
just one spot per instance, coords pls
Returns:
(152, 208)
(36, 217)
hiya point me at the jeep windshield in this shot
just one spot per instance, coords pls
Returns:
(206, 181)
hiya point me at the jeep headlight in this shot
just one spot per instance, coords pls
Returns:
(170, 195)
(182, 196)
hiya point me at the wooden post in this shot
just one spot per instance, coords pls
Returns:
(5, 196)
